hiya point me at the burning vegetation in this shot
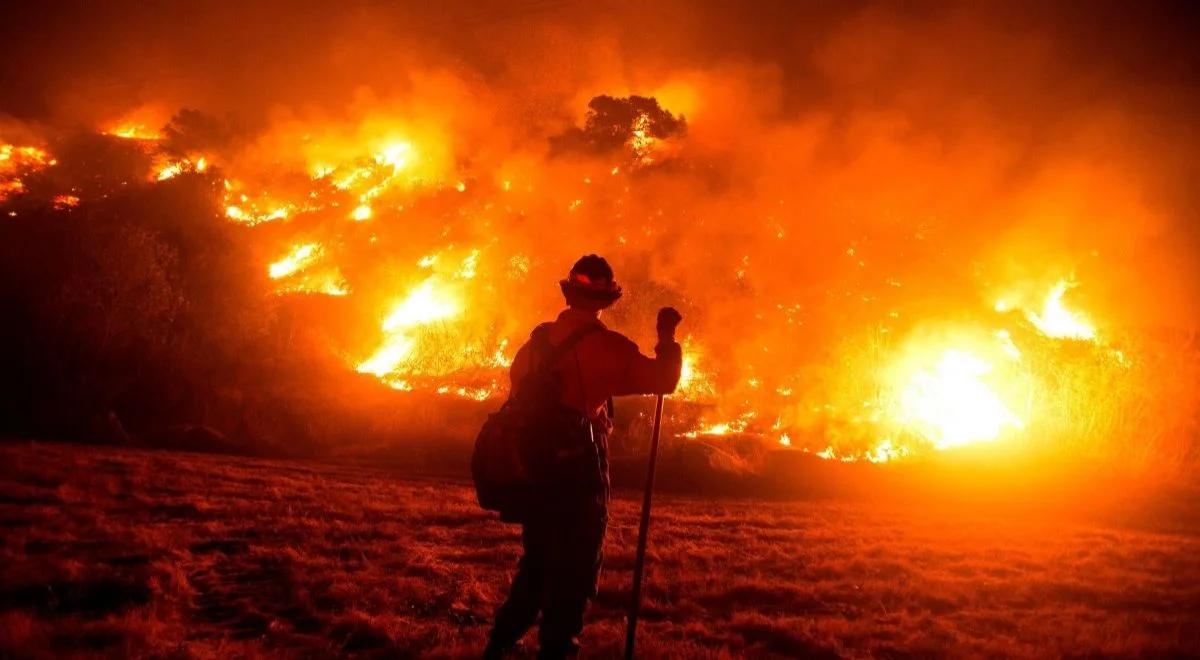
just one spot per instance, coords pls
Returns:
(865, 278)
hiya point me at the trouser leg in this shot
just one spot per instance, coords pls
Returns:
(572, 568)
(524, 600)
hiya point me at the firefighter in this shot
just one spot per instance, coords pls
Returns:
(562, 539)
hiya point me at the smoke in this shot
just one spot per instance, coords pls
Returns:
(847, 173)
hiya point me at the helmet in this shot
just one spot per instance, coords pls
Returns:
(590, 283)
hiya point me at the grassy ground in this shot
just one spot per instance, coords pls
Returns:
(120, 552)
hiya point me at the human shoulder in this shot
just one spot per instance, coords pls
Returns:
(615, 340)
(538, 338)
(540, 330)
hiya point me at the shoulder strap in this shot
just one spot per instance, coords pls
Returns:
(557, 351)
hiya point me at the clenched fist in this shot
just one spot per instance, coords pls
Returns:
(668, 319)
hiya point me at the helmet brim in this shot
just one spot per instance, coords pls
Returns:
(606, 295)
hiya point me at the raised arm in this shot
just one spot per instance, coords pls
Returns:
(659, 374)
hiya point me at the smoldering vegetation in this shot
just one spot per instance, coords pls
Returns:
(131, 553)
(825, 192)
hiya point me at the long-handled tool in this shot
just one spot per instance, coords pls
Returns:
(643, 533)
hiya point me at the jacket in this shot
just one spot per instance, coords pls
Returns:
(602, 365)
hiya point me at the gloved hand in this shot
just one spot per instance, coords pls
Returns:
(668, 319)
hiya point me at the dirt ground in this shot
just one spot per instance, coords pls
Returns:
(130, 553)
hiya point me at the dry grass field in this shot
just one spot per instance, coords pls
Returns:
(109, 552)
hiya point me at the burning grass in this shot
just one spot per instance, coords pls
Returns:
(421, 252)
(152, 553)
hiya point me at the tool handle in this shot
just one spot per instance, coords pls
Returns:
(643, 533)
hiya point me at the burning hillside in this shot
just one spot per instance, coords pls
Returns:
(862, 278)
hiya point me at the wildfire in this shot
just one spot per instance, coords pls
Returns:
(329, 283)
(254, 216)
(19, 161)
(694, 382)
(425, 304)
(936, 391)
(1055, 320)
(65, 201)
(133, 131)
(950, 403)
(14, 158)
(371, 177)
(389, 190)
(396, 154)
(294, 266)
(172, 169)
(141, 123)
(1052, 318)
(301, 257)
(430, 302)
(641, 142)
(336, 176)
(736, 426)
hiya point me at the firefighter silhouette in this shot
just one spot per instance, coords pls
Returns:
(563, 533)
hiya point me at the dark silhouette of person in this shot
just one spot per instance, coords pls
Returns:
(562, 537)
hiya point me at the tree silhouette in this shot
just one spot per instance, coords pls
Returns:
(612, 123)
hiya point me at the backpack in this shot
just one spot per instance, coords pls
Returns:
(523, 449)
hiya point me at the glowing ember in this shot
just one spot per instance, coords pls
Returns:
(65, 201)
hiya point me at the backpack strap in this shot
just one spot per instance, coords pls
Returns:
(556, 351)
(549, 354)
